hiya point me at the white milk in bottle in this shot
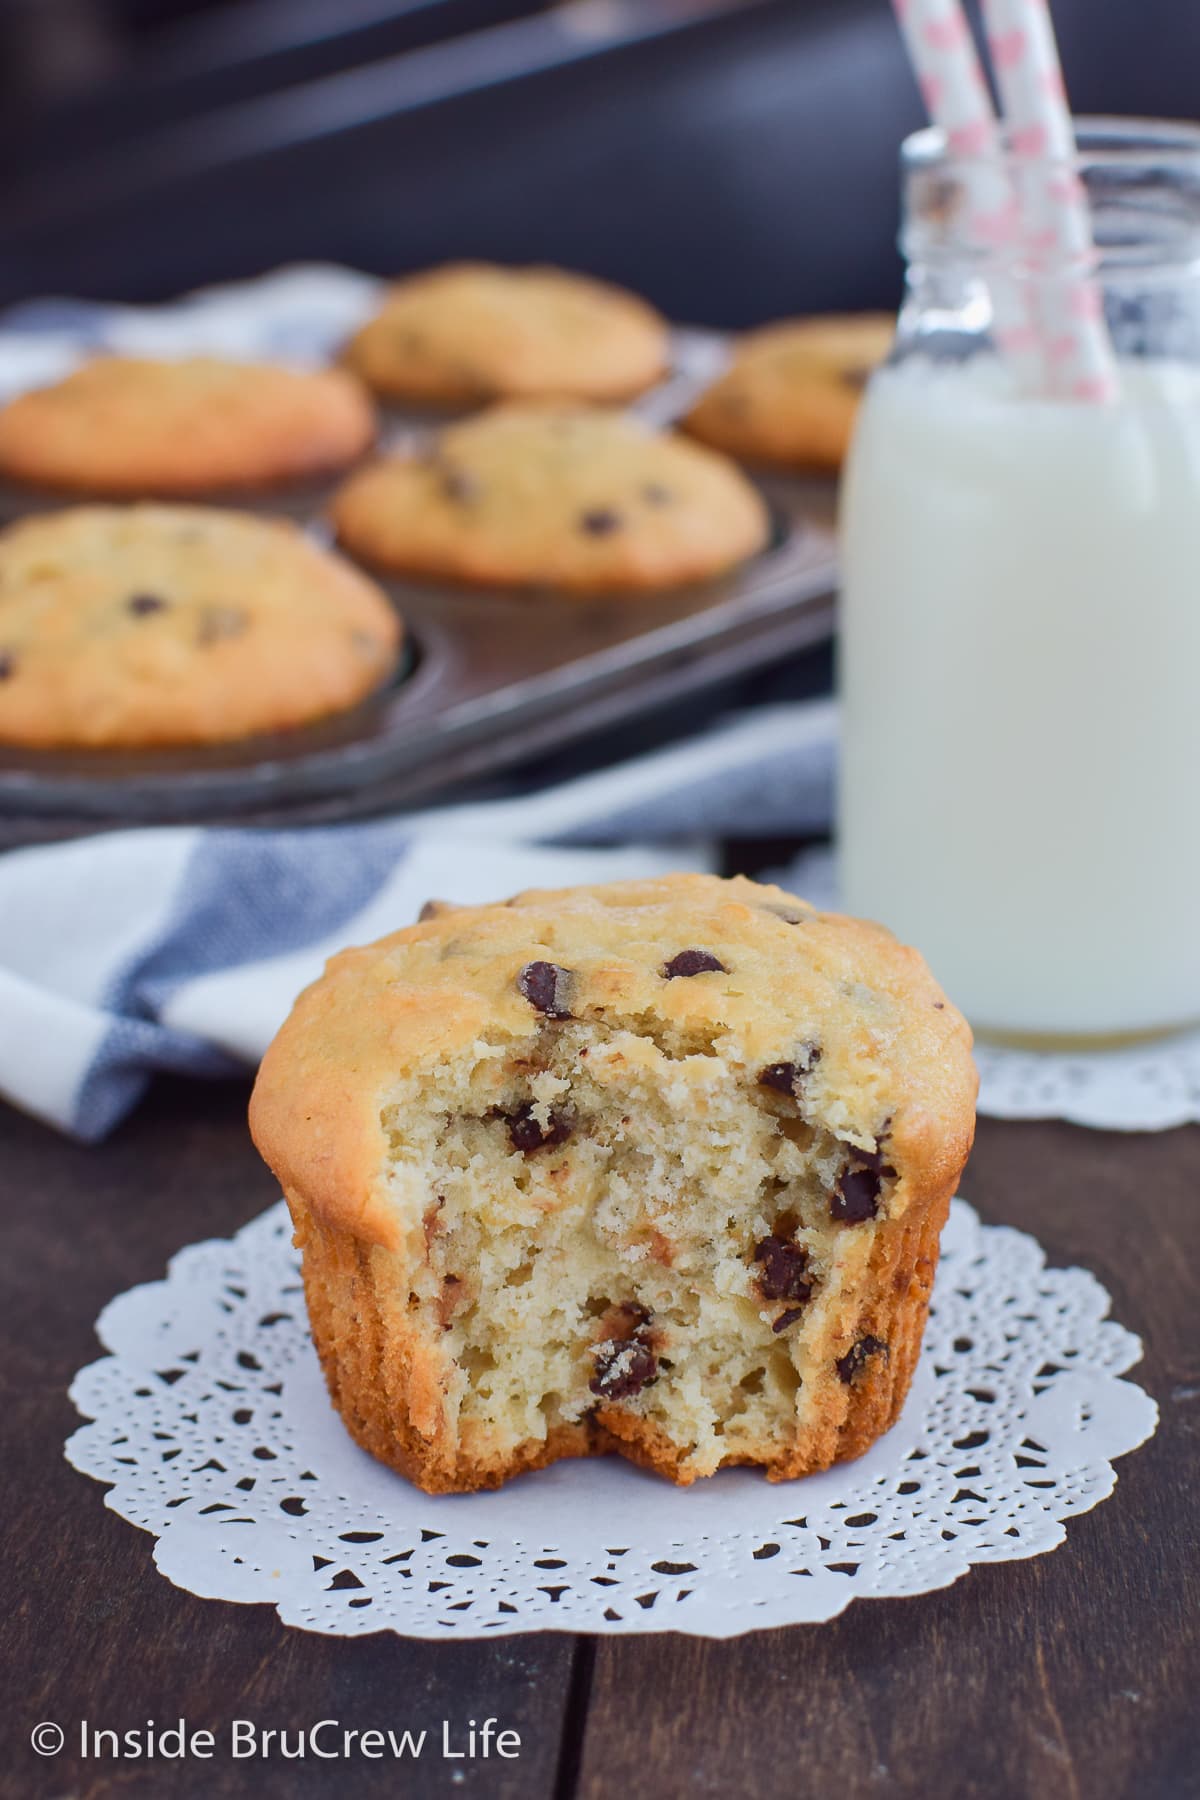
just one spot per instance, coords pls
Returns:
(1020, 676)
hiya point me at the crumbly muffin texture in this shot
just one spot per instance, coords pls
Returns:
(575, 501)
(791, 394)
(467, 332)
(657, 1168)
(126, 626)
(140, 427)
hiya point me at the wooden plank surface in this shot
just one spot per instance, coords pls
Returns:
(88, 1627)
(1072, 1674)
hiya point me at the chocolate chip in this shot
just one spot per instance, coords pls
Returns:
(856, 1197)
(547, 988)
(527, 1133)
(141, 605)
(457, 484)
(8, 665)
(939, 1006)
(625, 1363)
(788, 914)
(784, 1270)
(693, 962)
(789, 1077)
(780, 1076)
(624, 1366)
(870, 1159)
(219, 622)
(601, 522)
(655, 494)
(857, 1357)
(787, 1318)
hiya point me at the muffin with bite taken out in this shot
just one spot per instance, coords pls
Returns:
(656, 1168)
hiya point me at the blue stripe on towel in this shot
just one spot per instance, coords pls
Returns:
(133, 1051)
(249, 895)
(245, 896)
(86, 320)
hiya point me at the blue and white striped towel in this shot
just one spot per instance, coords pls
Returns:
(300, 314)
(183, 949)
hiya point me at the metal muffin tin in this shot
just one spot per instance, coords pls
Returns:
(490, 678)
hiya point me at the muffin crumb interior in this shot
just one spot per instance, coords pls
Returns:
(618, 1213)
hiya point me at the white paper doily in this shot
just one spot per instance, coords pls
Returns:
(1153, 1086)
(212, 1424)
(1145, 1087)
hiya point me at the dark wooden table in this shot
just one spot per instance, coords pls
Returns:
(1074, 1674)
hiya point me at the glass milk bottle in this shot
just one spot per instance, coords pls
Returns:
(1020, 631)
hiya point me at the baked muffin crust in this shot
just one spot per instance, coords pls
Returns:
(572, 500)
(658, 1167)
(137, 428)
(467, 332)
(790, 396)
(128, 626)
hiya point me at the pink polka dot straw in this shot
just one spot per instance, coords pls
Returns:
(1028, 202)
(1054, 217)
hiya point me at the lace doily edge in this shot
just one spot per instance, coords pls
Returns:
(1140, 1411)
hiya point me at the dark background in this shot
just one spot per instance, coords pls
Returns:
(734, 159)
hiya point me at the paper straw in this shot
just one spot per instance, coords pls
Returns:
(946, 64)
(1055, 224)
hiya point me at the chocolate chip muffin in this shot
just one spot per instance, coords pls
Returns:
(137, 428)
(579, 501)
(157, 625)
(469, 332)
(657, 1168)
(791, 394)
